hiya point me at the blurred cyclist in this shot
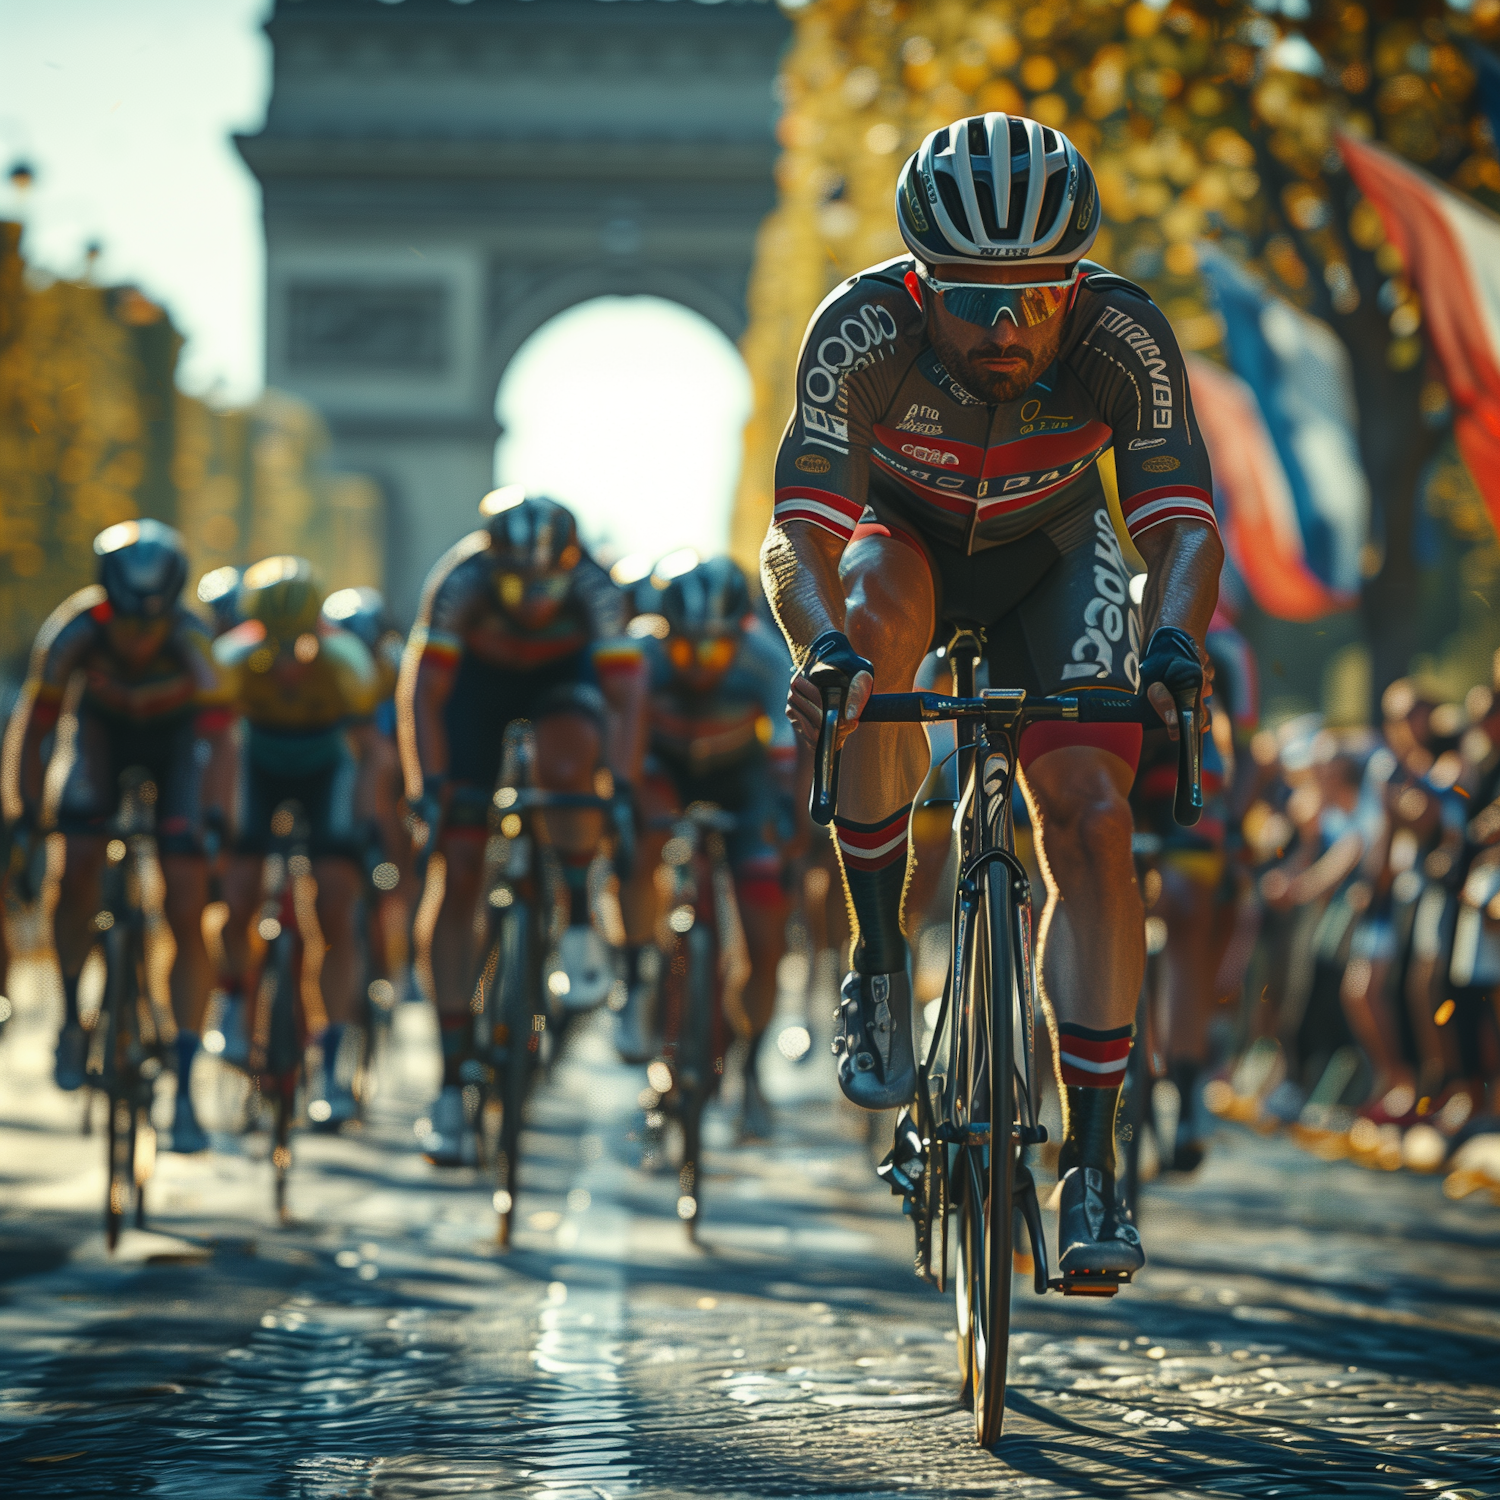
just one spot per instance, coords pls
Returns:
(306, 690)
(517, 621)
(718, 733)
(364, 612)
(149, 695)
(219, 593)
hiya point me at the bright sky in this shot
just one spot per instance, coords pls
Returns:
(666, 397)
(124, 109)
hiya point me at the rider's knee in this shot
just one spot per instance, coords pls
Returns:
(886, 621)
(1104, 826)
(569, 743)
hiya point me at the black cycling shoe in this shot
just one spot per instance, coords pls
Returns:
(877, 1067)
(1100, 1250)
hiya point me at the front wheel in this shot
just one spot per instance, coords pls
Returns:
(985, 1170)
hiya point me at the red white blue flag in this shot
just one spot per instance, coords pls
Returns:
(1452, 251)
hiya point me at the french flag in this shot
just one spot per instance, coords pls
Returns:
(1283, 435)
(1452, 251)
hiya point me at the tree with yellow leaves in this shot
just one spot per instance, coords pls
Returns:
(94, 431)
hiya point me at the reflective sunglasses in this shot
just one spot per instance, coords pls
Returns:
(1025, 303)
(713, 653)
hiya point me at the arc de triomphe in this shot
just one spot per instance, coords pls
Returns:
(441, 177)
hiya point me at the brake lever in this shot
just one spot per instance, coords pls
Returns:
(1187, 803)
(825, 782)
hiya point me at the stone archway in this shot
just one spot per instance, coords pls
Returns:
(442, 179)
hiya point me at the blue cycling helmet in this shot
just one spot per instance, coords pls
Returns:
(143, 566)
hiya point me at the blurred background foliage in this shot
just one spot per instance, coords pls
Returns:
(1211, 120)
(93, 430)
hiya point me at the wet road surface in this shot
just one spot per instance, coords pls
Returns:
(1303, 1328)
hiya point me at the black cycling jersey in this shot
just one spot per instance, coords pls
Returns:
(880, 421)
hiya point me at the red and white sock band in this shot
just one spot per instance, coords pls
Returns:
(869, 847)
(1092, 1059)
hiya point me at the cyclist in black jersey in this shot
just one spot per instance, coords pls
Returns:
(940, 466)
(517, 621)
(717, 733)
(148, 694)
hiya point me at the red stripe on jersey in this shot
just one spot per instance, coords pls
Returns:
(788, 511)
(840, 503)
(959, 505)
(1132, 503)
(941, 453)
(1048, 450)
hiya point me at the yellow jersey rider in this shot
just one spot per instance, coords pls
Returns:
(306, 690)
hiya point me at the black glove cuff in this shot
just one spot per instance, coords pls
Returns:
(1172, 659)
(832, 650)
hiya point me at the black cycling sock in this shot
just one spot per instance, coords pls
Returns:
(1184, 1073)
(70, 1001)
(1092, 1064)
(873, 857)
(453, 1034)
(575, 870)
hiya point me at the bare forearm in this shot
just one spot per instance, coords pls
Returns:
(1182, 579)
(799, 569)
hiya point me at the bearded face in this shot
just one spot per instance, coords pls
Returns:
(995, 364)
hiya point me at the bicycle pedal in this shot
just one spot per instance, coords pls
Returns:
(1090, 1283)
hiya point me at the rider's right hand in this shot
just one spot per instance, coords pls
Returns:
(804, 703)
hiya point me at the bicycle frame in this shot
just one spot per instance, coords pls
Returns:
(976, 1093)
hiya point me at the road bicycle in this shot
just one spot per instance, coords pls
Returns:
(134, 1027)
(704, 954)
(975, 1114)
(539, 970)
(285, 1012)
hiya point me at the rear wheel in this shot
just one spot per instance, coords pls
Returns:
(278, 993)
(985, 1172)
(114, 1018)
(695, 1067)
(515, 1004)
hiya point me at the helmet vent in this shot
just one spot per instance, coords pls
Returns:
(948, 189)
(979, 141)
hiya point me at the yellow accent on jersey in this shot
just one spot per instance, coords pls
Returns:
(338, 685)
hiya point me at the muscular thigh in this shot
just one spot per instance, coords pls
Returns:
(890, 604)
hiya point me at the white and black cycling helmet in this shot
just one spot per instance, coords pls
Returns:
(994, 188)
(530, 533)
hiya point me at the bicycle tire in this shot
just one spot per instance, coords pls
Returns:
(516, 989)
(695, 1074)
(283, 1058)
(115, 1012)
(986, 1239)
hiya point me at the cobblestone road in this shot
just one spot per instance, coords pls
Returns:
(1303, 1328)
